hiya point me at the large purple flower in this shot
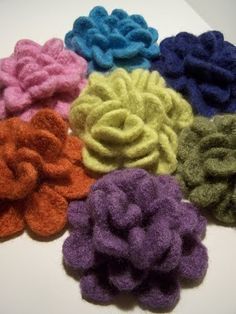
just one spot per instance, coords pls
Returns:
(134, 234)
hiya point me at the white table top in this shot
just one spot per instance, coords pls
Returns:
(32, 277)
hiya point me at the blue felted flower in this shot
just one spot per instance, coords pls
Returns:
(116, 40)
(202, 68)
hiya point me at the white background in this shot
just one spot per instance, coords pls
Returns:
(32, 276)
(220, 14)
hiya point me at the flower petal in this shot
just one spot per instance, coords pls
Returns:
(78, 251)
(16, 186)
(73, 149)
(15, 99)
(128, 52)
(124, 276)
(11, 218)
(82, 25)
(45, 212)
(194, 260)
(107, 243)
(49, 120)
(103, 59)
(76, 185)
(161, 292)
(94, 288)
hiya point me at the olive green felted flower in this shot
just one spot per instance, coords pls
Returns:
(207, 165)
(129, 120)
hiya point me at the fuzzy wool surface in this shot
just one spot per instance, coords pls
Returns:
(207, 165)
(129, 120)
(202, 68)
(115, 40)
(134, 234)
(40, 167)
(36, 77)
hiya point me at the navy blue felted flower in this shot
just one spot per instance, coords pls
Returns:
(202, 68)
(115, 40)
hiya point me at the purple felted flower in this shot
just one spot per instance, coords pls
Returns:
(134, 234)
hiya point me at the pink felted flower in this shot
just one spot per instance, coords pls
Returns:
(36, 76)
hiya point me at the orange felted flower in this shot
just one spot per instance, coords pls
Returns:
(40, 169)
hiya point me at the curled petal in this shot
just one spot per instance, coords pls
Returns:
(171, 259)
(75, 185)
(16, 187)
(61, 169)
(45, 143)
(108, 243)
(207, 194)
(47, 120)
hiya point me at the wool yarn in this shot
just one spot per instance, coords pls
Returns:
(207, 165)
(41, 170)
(129, 120)
(115, 40)
(134, 234)
(36, 77)
(202, 68)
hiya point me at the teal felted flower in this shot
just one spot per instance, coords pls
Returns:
(115, 40)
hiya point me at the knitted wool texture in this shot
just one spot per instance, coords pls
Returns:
(129, 120)
(116, 40)
(207, 165)
(40, 170)
(35, 77)
(134, 234)
(202, 68)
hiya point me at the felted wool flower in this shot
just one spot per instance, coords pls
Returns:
(36, 77)
(40, 171)
(129, 120)
(202, 68)
(207, 165)
(134, 234)
(115, 40)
